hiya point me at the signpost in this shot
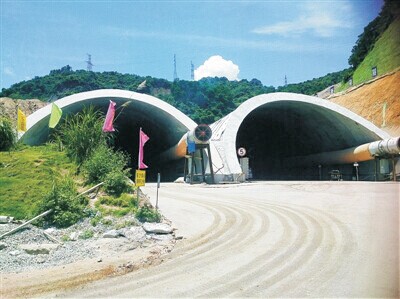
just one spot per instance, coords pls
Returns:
(140, 180)
(158, 187)
(356, 166)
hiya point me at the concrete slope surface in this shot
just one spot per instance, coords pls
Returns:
(271, 239)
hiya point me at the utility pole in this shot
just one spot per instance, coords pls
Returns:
(89, 63)
(192, 71)
(175, 73)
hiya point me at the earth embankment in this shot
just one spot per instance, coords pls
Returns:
(377, 100)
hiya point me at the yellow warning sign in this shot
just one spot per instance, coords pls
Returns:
(140, 178)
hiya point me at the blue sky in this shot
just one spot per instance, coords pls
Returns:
(237, 39)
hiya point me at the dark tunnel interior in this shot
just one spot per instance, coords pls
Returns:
(163, 130)
(283, 129)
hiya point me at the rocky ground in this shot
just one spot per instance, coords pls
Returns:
(34, 248)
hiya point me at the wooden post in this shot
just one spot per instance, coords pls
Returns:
(25, 224)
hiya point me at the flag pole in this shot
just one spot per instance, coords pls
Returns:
(16, 135)
(140, 130)
(138, 188)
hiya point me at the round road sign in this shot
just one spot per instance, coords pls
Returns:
(241, 151)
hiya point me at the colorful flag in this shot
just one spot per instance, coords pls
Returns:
(108, 123)
(55, 116)
(143, 138)
(21, 122)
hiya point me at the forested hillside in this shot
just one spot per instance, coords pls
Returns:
(205, 100)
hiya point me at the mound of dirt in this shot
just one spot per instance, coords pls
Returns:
(377, 100)
(8, 107)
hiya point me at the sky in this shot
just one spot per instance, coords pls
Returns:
(266, 40)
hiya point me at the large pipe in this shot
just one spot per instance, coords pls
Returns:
(199, 135)
(365, 152)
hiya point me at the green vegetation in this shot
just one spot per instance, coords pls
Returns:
(87, 234)
(373, 31)
(117, 206)
(81, 133)
(7, 134)
(315, 85)
(67, 207)
(26, 175)
(147, 214)
(385, 55)
(102, 161)
(115, 182)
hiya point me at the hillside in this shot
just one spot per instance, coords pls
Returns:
(370, 99)
(8, 107)
(205, 101)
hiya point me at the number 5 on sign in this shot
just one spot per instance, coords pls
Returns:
(140, 178)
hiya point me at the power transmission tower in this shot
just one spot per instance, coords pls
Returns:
(285, 81)
(175, 73)
(89, 63)
(192, 71)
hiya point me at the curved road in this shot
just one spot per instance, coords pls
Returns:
(272, 239)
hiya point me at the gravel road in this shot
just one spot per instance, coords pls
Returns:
(271, 239)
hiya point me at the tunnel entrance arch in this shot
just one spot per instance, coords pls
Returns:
(276, 128)
(164, 124)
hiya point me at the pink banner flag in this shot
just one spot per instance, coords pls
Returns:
(143, 138)
(108, 123)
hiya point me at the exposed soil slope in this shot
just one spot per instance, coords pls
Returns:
(8, 107)
(368, 100)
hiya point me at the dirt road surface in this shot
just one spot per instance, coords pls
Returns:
(271, 239)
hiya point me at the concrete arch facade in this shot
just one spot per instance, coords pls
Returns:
(163, 123)
(274, 128)
(286, 125)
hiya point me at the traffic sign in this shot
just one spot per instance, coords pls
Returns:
(140, 178)
(241, 151)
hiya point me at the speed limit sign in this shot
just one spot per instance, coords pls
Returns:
(241, 151)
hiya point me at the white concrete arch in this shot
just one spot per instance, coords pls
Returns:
(164, 124)
(311, 116)
(37, 129)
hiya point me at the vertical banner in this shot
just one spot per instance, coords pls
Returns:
(143, 138)
(21, 122)
(108, 123)
(55, 116)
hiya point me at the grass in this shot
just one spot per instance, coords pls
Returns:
(26, 174)
(117, 206)
(385, 55)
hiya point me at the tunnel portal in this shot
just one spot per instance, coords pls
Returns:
(164, 124)
(279, 130)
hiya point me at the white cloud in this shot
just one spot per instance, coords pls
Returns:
(8, 71)
(322, 19)
(217, 66)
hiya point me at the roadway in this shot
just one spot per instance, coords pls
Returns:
(271, 239)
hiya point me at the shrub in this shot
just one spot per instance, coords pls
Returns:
(115, 182)
(7, 134)
(148, 214)
(87, 234)
(81, 133)
(66, 207)
(102, 162)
